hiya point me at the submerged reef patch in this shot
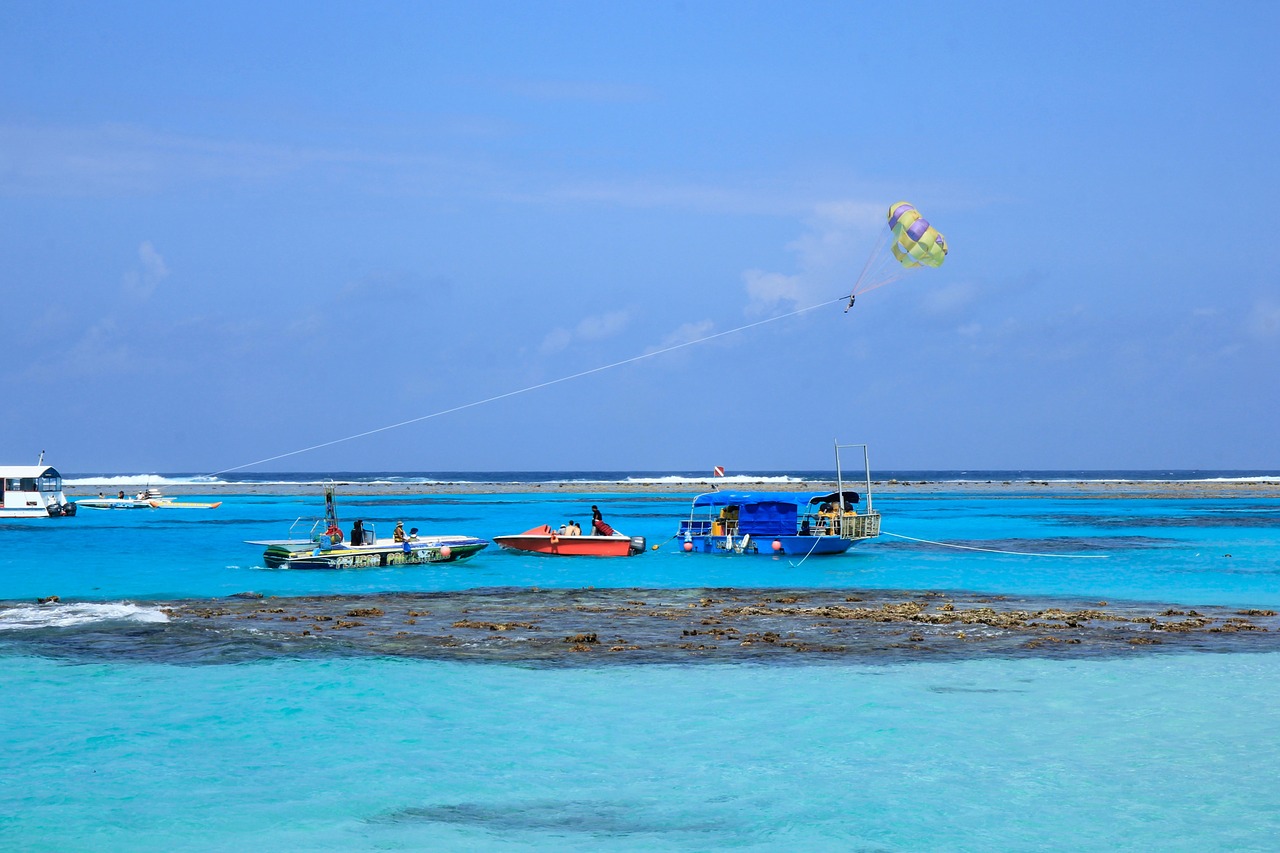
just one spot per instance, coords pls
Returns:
(577, 627)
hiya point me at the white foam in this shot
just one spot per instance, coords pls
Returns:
(733, 478)
(144, 480)
(28, 616)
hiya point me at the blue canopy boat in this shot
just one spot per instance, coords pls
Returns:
(792, 523)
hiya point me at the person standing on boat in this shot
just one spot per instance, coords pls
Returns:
(598, 526)
(357, 532)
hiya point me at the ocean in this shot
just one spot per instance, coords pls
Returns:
(123, 729)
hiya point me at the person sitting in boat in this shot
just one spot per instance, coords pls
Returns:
(398, 533)
(357, 532)
(827, 515)
(572, 529)
(413, 533)
(121, 495)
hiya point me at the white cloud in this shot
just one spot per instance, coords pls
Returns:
(142, 282)
(556, 340)
(100, 351)
(767, 289)
(603, 325)
(684, 334)
(839, 241)
(594, 328)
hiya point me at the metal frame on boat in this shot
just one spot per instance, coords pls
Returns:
(791, 523)
(320, 550)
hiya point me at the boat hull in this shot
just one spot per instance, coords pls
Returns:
(573, 546)
(791, 546)
(66, 510)
(113, 503)
(435, 549)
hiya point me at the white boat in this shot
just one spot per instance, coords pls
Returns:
(33, 491)
(324, 548)
(146, 499)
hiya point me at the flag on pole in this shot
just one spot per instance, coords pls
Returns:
(718, 471)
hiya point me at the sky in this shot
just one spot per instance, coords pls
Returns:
(234, 231)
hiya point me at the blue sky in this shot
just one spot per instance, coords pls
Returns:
(236, 230)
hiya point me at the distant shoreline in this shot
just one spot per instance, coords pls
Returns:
(1082, 488)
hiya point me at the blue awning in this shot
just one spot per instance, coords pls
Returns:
(797, 499)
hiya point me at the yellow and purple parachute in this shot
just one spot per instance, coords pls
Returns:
(915, 241)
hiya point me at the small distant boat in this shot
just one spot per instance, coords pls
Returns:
(792, 523)
(324, 550)
(146, 499)
(545, 540)
(33, 491)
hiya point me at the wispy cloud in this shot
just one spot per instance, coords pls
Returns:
(685, 334)
(662, 193)
(594, 328)
(100, 351)
(829, 254)
(141, 283)
(765, 290)
(116, 159)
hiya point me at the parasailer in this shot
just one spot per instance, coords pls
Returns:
(915, 243)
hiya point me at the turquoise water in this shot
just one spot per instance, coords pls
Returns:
(1169, 751)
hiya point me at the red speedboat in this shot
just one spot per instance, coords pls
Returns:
(544, 540)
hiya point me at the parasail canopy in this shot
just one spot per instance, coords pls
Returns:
(915, 242)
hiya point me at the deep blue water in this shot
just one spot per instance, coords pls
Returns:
(1133, 752)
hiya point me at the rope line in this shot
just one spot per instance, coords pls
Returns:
(816, 540)
(998, 551)
(526, 390)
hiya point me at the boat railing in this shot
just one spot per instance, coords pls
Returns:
(316, 528)
(863, 526)
(694, 527)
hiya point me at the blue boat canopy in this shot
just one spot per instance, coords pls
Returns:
(721, 499)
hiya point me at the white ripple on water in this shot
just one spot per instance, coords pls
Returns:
(31, 616)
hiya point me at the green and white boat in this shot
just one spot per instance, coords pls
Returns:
(326, 547)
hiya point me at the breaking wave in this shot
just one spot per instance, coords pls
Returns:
(32, 616)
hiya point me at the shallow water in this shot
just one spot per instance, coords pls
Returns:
(1158, 752)
(291, 751)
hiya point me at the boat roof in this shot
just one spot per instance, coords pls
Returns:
(716, 499)
(28, 471)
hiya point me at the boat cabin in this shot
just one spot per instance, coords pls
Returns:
(777, 522)
(32, 491)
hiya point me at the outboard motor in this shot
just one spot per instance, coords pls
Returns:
(637, 545)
